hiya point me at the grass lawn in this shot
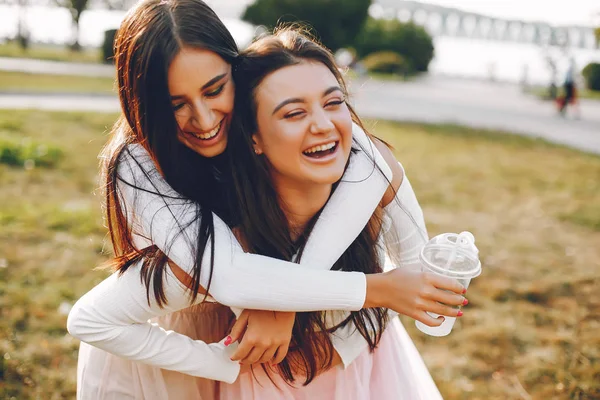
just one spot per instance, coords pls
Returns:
(24, 82)
(53, 53)
(530, 330)
(582, 93)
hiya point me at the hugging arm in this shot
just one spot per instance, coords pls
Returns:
(404, 234)
(252, 281)
(114, 315)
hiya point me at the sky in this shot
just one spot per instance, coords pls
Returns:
(557, 12)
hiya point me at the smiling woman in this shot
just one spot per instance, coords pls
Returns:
(291, 141)
(305, 134)
(166, 192)
(201, 91)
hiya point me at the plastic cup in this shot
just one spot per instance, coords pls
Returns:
(454, 256)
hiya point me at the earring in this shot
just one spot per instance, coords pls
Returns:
(257, 152)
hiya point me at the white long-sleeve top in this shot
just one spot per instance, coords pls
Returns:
(114, 315)
(403, 236)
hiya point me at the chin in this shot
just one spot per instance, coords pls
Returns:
(213, 151)
(329, 178)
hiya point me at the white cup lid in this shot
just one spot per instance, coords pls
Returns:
(452, 255)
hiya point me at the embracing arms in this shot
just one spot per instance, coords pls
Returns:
(114, 315)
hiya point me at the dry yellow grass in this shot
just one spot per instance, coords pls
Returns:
(530, 330)
(23, 82)
(49, 52)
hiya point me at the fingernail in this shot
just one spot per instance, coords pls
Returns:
(227, 341)
(460, 313)
(464, 291)
(465, 302)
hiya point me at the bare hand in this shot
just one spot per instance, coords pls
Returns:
(265, 336)
(415, 293)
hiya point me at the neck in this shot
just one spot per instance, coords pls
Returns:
(301, 202)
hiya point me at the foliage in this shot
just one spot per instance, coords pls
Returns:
(386, 62)
(591, 73)
(410, 41)
(335, 22)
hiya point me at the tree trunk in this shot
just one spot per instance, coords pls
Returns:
(75, 46)
(22, 31)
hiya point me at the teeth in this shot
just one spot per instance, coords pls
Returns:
(322, 147)
(208, 135)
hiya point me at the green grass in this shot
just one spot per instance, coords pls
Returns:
(50, 52)
(532, 322)
(582, 93)
(25, 82)
(24, 152)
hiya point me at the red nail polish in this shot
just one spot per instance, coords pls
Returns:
(464, 291)
(465, 302)
(460, 313)
(227, 341)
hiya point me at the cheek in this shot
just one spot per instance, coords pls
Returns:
(284, 139)
(226, 100)
(343, 122)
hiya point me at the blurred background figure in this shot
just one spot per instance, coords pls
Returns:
(570, 90)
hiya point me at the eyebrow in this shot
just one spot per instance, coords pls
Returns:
(205, 86)
(300, 100)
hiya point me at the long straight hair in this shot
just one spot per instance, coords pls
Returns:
(149, 38)
(263, 223)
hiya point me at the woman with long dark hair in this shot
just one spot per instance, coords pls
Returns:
(290, 142)
(167, 192)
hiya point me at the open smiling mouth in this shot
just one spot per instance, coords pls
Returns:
(322, 150)
(207, 135)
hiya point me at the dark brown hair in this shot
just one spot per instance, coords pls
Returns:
(149, 38)
(263, 222)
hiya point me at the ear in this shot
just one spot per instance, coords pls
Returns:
(257, 144)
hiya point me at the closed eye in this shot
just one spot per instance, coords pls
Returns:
(293, 114)
(216, 92)
(334, 103)
(177, 107)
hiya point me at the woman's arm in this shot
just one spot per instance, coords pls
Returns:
(114, 316)
(404, 235)
(244, 280)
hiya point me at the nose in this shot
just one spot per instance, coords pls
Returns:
(203, 116)
(321, 122)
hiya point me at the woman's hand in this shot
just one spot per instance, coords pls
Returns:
(415, 293)
(265, 336)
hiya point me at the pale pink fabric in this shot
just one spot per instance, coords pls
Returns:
(104, 376)
(394, 371)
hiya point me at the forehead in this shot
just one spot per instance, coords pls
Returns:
(304, 80)
(193, 67)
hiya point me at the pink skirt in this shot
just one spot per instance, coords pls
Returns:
(394, 371)
(104, 376)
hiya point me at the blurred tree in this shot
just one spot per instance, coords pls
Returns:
(410, 41)
(387, 62)
(76, 8)
(22, 29)
(335, 22)
(591, 73)
(597, 33)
